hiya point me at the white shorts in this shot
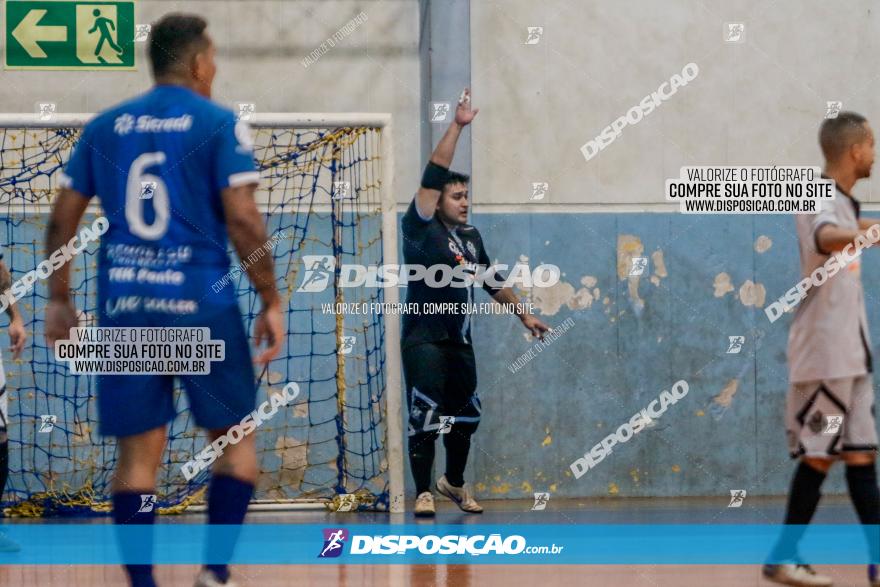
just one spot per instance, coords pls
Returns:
(832, 416)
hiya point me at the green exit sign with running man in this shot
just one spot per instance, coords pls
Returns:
(69, 35)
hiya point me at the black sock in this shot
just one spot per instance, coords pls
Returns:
(805, 494)
(421, 460)
(228, 500)
(803, 498)
(458, 444)
(126, 506)
(865, 495)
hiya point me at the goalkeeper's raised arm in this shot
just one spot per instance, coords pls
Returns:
(441, 159)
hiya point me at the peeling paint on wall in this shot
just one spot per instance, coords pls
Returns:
(500, 489)
(659, 267)
(752, 294)
(294, 459)
(82, 434)
(725, 398)
(548, 300)
(722, 285)
(659, 264)
(722, 401)
(629, 246)
(581, 300)
(763, 244)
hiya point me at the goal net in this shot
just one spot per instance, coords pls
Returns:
(325, 192)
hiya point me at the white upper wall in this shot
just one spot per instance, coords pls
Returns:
(261, 45)
(757, 102)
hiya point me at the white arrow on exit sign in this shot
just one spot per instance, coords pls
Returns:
(29, 33)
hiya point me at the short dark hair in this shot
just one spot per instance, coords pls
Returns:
(836, 135)
(455, 177)
(173, 39)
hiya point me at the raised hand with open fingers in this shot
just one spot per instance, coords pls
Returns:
(463, 113)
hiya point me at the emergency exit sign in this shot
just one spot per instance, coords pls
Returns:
(44, 34)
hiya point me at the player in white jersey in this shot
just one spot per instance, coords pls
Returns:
(830, 411)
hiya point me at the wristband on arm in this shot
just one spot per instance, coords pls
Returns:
(434, 177)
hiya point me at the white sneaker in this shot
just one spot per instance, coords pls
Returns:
(460, 495)
(207, 579)
(425, 505)
(801, 575)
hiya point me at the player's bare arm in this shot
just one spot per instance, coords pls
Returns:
(831, 237)
(427, 197)
(65, 218)
(247, 231)
(866, 223)
(17, 334)
(530, 321)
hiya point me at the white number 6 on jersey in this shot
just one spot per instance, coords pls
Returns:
(134, 211)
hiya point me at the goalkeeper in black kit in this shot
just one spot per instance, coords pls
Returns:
(438, 357)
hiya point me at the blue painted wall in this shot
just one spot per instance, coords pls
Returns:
(614, 361)
(611, 364)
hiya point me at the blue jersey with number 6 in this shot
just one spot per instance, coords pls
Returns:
(158, 163)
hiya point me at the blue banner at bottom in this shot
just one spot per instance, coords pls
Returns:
(89, 544)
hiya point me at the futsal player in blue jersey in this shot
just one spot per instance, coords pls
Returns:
(175, 175)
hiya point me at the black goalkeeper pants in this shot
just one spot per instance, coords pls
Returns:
(441, 385)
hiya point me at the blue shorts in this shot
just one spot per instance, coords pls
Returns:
(132, 404)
